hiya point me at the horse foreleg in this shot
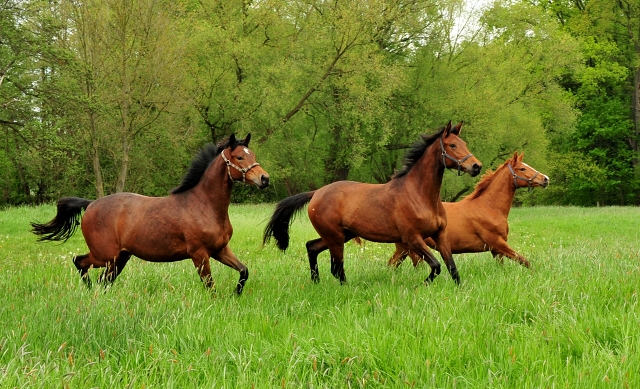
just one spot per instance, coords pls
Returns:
(201, 261)
(500, 248)
(114, 268)
(398, 256)
(441, 239)
(420, 248)
(228, 258)
(315, 247)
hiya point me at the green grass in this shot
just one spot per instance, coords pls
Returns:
(571, 321)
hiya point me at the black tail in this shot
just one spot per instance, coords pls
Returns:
(66, 221)
(282, 217)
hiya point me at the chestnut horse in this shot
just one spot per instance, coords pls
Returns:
(192, 222)
(406, 209)
(479, 222)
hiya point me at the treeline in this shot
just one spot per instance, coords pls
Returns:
(103, 96)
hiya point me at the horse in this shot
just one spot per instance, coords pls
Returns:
(192, 222)
(479, 222)
(407, 209)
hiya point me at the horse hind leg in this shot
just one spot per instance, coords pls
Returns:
(337, 256)
(84, 263)
(315, 247)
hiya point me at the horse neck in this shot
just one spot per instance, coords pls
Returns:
(426, 175)
(215, 186)
(500, 192)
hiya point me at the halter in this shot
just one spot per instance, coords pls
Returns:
(242, 170)
(458, 161)
(529, 180)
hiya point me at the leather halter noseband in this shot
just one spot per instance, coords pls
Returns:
(529, 180)
(458, 161)
(242, 170)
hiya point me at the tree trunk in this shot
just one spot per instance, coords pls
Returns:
(20, 169)
(95, 156)
(124, 102)
(124, 166)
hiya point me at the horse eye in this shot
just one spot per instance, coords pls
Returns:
(240, 158)
(453, 146)
(523, 169)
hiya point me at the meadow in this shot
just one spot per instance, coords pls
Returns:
(570, 321)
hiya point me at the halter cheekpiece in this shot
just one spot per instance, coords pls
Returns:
(529, 180)
(458, 161)
(242, 170)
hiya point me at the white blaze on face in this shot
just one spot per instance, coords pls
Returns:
(246, 150)
(528, 166)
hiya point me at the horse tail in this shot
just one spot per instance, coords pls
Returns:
(66, 221)
(286, 210)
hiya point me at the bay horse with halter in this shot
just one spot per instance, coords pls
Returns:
(407, 209)
(479, 222)
(192, 222)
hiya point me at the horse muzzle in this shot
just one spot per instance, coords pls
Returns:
(262, 181)
(475, 169)
(545, 181)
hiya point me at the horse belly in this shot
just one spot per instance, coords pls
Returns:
(463, 236)
(158, 248)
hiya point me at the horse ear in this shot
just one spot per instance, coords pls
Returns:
(515, 157)
(521, 156)
(233, 142)
(456, 130)
(247, 139)
(447, 129)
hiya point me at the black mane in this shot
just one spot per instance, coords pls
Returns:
(200, 163)
(417, 150)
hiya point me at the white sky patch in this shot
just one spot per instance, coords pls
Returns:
(466, 18)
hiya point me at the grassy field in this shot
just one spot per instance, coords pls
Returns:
(571, 321)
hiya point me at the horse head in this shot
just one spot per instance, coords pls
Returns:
(243, 161)
(455, 154)
(524, 175)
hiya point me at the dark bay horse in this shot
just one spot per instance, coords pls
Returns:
(407, 209)
(479, 222)
(192, 222)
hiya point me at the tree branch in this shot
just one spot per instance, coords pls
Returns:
(306, 96)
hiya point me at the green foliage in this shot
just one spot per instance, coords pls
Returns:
(606, 132)
(101, 96)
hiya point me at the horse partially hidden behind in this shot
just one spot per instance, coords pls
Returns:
(407, 209)
(479, 222)
(192, 222)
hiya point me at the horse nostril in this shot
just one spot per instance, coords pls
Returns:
(264, 180)
(477, 167)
